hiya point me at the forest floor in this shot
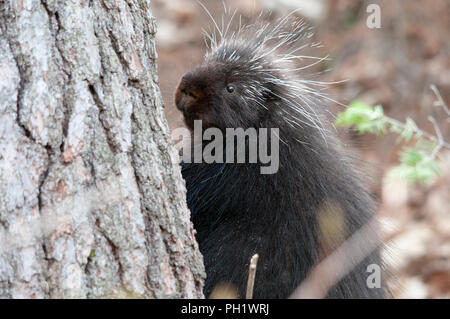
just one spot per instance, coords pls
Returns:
(393, 66)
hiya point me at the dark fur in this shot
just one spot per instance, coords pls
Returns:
(238, 212)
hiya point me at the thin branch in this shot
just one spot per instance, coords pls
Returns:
(440, 138)
(416, 130)
(251, 276)
(440, 102)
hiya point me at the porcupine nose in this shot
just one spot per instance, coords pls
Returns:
(179, 98)
(185, 95)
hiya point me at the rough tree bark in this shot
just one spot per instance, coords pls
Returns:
(92, 203)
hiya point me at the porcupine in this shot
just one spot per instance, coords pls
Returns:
(248, 80)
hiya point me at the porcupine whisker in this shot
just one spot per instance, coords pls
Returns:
(229, 23)
(312, 91)
(295, 70)
(280, 139)
(322, 84)
(325, 97)
(297, 107)
(282, 21)
(296, 49)
(211, 17)
(305, 143)
(240, 24)
(297, 57)
(208, 37)
(259, 103)
(306, 100)
(302, 112)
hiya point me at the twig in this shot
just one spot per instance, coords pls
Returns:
(416, 130)
(251, 276)
(440, 102)
(440, 139)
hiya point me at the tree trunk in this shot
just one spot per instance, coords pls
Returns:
(92, 203)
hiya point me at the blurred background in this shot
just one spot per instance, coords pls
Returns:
(393, 66)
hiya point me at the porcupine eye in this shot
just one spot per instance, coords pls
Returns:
(230, 88)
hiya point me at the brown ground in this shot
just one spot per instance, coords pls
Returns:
(393, 66)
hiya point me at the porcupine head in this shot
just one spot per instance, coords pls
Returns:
(250, 78)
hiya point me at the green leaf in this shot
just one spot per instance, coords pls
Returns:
(416, 166)
(416, 163)
(407, 132)
(364, 117)
(411, 156)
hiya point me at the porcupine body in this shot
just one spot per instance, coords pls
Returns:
(248, 80)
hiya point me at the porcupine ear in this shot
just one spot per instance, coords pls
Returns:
(268, 92)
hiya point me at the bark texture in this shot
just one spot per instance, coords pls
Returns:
(92, 203)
